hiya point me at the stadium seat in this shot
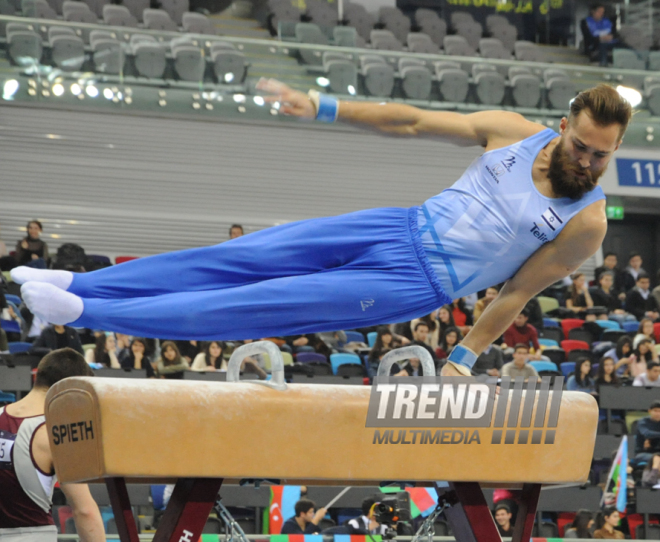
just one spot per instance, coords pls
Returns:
(416, 79)
(544, 366)
(550, 322)
(652, 94)
(569, 345)
(419, 42)
(507, 34)
(385, 40)
(567, 368)
(68, 52)
(527, 51)
(560, 90)
(340, 72)
(613, 335)
(453, 83)
(472, 31)
(322, 13)
(18, 347)
(229, 66)
(78, 12)
(553, 333)
(310, 33)
(526, 90)
(150, 60)
(547, 303)
(108, 56)
(378, 76)
(493, 21)
(357, 17)
(395, 21)
(579, 353)
(354, 336)
(608, 324)
(189, 62)
(37, 9)
(632, 327)
(550, 343)
(197, 23)
(570, 323)
(489, 85)
(458, 46)
(556, 355)
(13, 299)
(175, 9)
(654, 61)
(158, 19)
(54, 31)
(136, 7)
(577, 334)
(493, 48)
(24, 47)
(114, 15)
(372, 336)
(10, 326)
(432, 25)
(345, 36)
(341, 359)
(627, 59)
(311, 357)
(458, 17)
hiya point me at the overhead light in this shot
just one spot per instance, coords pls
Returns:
(75, 89)
(9, 89)
(229, 77)
(108, 94)
(259, 100)
(239, 98)
(58, 89)
(351, 90)
(634, 97)
(322, 81)
(92, 91)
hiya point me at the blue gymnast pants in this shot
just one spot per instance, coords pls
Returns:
(324, 274)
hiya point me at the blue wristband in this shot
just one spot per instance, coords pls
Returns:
(463, 356)
(327, 109)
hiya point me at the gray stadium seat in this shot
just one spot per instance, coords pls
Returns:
(559, 91)
(284, 12)
(431, 24)
(158, 19)
(627, 59)
(395, 21)
(493, 21)
(96, 6)
(118, 16)
(345, 36)
(189, 63)
(458, 46)
(229, 65)
(652, 94)
(518, 70)
(101, 35)
(422, 43)
(310, 33)
(136, 7)
(378, 75)
(24, 47)
(452, 82)
(471, 31)
(141, 38)
(554, 73)
(528, 51)
(78, 12)
(654, 61)
(68, 52)
(38, 9)
(322, 13)
(54, 31)
(108, 56)
(7, 7)
(341, 72)
(635, 37)
(416, 80)
(197, 24)
(149, 58)
(507, 34)
(480, 68)
(490, 86)
(458, 17)
(493, 48)
(56, 5)
(175, 9)
(385, 40)
(525, 89)
(357, 17)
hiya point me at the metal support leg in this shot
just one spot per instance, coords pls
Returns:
(469, 517)
(121, 506)
(188, 510)
(522, 530)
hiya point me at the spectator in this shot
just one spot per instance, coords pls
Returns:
(70, 257)
(55, 337)
(104, 353)
(581, 379)
(534, 313)
(644, 354)
(7, 262)
(610, 262)
(651, 474)
(123, 348)
(431, 320)
(582, 523)
(647, 436)
(462, 315)
(420, 334)
(520, 332)
(171, 364)
(236, 230)
(632, 272)
(645, 331)
(606, 521)
(640, 302)
(579, 299)
(31, 250)
(381, 347)
(604, 294)
(310, 342)
(601, 36)
(607, 373)
(188, 349)
(503, 519)
(306, 520)
(450, 338)
(446, 318)
(519, 368)
(621, 353)
(480, 306)
(137, 357)
(366, 524)
(651, 378)
(490, 361)
(211, 358)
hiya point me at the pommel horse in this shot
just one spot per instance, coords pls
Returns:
(197, 434)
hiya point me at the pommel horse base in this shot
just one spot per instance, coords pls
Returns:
(197, 434)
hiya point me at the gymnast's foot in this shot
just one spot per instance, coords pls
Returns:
(61, 279)
(52, 304)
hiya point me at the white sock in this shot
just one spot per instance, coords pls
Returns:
(61, 279)
(52, 304)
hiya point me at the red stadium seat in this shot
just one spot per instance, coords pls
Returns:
(574, 345)
(122, 259)
(570, 323)
(656, 332)
(563, 520)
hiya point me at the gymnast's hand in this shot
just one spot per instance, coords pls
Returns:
(449, 370)
(292, 102)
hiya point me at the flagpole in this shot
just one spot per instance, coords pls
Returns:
(624, 442)
(341, 493)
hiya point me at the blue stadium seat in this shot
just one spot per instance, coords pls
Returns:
(567, 368)
(548, 342)
(343, 359)
(371, 338)
(10, 325)
(550, 322)
(18, 347)
(7, 397)
(544, 366)
(354, 336)
(630, 327)
(608, 324)
(311, 357)
(14, 299)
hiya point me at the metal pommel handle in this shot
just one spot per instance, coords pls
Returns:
(260, 347)
(406, 352)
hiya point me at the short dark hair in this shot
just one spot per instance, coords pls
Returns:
(608, 254)
(367, 503)
(632, 254)
(642, 276)
(60, 364)
(41, 228)
(519, 346)
(235, 226)
(524, 313)
(420, 324)
(303, 506)
(651, 364)
(504, 507)
(605, 106)
(655, 404)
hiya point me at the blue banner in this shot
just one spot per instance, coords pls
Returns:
(633, 172)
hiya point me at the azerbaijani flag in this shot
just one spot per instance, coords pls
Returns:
(283, 500)
(423, 500)
(619, 476)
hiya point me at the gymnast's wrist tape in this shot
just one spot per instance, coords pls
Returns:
(462, 356)
(327, 107)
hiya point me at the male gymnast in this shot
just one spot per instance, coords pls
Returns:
(528, 211)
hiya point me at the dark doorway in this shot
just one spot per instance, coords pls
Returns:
(639, 233)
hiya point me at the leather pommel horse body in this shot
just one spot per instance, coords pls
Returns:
(198, 433)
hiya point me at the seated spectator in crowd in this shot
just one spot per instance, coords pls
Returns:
(450, 338)
(647, 437)
(580, 528)
(519, 368)
(104, 352)
(610, 262)
(607, 373)
(606, 521)
(640, 302)
(366, 523)
(171, 364)
(188, 349)
(632, 271)
(651, 474)
(581, 379)
(310, 342)
(236, 230)
(123, 348)
(651, 378)
(601, 33)
(462, 315)
(306, 520)
(534, 313)
(604, 294)
(644, 332)
(31, 250)
(480, 306)
(490, 361)
(621, 353)
(445, 318)
(643, 354)
(211, 358)
(420, 334)
(503, 519)
(413, 367)
(431, 320)
(579, 299)
(520, 332)
(56, 337)
(381, 347)
(137, 357)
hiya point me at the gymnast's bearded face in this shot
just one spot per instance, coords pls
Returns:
(582, 155)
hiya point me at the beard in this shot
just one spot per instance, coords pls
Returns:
(565, 175)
